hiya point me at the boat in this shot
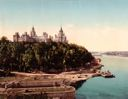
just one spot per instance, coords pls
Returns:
(107, 75)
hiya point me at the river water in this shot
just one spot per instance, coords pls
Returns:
(107, 88)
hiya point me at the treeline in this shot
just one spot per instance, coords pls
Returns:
(47, 57)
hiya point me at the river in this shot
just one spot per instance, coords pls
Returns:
(107, 88)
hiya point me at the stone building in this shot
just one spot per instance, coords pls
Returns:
(60, 37)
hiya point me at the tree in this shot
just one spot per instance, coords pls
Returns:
(27, 56)
(4, 39)
(29, 60)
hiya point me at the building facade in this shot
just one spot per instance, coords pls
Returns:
(60, 37)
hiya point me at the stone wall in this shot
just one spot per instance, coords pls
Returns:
(68, 93)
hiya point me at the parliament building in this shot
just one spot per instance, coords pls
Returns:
(33, 37)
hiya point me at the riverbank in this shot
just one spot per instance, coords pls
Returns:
(33, 81)
(72, 76)
(64, 78)
(25, 85)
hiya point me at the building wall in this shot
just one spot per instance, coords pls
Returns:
(65, 94)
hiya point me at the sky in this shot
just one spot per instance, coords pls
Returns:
(98, 25)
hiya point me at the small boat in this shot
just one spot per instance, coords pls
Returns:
(108, 75)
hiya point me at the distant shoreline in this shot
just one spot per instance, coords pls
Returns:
(116, 56)
(116, 53)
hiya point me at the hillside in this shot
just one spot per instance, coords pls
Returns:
(46, 57)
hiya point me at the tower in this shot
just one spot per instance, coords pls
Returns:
(60, 35)
(16, 37)
(33, 32)
(61, 30)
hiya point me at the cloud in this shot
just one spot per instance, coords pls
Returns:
(69, 25)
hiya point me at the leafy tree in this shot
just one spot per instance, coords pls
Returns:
(50, 56)
(4, 39)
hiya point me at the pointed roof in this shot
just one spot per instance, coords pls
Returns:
(33, 29)
(61, 30)
(33, 32)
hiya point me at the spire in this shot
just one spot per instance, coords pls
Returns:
(61, 30)
(33, 32)
(33, 29)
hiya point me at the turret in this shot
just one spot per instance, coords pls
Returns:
(61, 36)
(16, 37)
(33, 32)
(61, 30)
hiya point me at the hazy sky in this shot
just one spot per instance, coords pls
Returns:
(99, 25)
